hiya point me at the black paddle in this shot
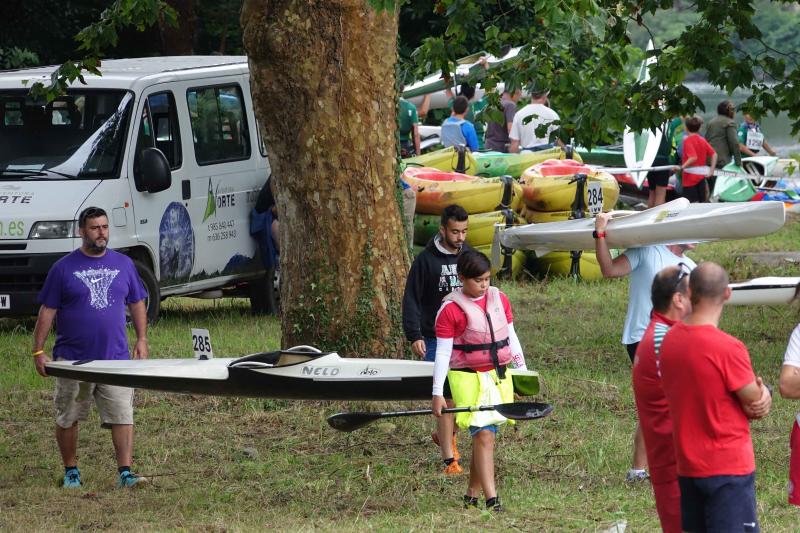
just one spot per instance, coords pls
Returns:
(514, 411)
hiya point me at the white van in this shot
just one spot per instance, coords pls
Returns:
(168, 146)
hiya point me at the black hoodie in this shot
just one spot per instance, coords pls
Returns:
(432, 277)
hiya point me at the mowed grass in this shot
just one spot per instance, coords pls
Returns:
(236, 464)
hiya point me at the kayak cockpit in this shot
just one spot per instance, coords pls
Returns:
(291, 356)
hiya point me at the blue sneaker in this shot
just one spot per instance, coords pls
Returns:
(635, 476)
(72, 479)
(129, 479)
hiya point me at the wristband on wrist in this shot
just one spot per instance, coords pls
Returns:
(38, 353)
(599, 234)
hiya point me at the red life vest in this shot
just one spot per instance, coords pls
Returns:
(485, 339)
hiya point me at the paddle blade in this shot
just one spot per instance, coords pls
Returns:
(352, 421)
(524, 410)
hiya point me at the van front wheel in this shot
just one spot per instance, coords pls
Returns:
(153, 300)
(263, 296)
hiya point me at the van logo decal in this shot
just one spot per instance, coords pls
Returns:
(211, 202)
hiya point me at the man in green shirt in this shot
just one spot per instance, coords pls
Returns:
(408, 126)
(721, 135)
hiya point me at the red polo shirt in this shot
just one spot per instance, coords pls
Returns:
(652, 407)
(701, 369)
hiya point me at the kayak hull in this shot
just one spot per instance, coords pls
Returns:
(559, 264)
(480, 228)
(493, 164)
(764, 291)
(281, 374)
(445, 159)
(546, 187)
(437, 189)
(674, 222)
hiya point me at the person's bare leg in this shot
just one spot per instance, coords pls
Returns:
(639, 450)
(274, 231)
(651, 197)
(474, 486)
(122, 437)
(67, 440)
(660, 196)
(445, 425)
(483, 461)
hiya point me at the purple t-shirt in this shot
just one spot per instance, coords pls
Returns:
(91, 294)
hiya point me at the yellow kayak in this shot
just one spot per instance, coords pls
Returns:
(517, 260)
(437, 189)
(480, 228)
(543, 217)
(559, 263)
(445, 159)
(492, 164)
(547, 187)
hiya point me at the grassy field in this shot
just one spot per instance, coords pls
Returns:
(247, 465)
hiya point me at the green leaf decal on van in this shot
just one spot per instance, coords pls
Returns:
(211, 202)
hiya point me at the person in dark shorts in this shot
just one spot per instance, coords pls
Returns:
(712, 393)
(642, 264)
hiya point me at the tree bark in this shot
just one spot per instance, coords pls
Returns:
(322, 75)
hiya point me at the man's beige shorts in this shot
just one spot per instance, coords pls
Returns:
(73, 400)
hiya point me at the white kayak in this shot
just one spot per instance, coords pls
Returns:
(675, 222)
(641, 147)
(302, 373)
(465, 68)
(763, 291)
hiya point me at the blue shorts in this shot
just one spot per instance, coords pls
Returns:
(474, 430)
(718, 503)
(430, 349)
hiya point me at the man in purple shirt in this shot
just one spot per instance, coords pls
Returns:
(89, 290)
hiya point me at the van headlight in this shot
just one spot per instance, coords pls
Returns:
(54, 229)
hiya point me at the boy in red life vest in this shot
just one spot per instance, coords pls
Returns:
(475, 342)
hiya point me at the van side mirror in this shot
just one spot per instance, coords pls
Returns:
(153, 173)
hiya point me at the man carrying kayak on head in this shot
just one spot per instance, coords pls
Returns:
(642, 264)
(432, 277)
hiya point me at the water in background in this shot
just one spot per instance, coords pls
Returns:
(776, 130)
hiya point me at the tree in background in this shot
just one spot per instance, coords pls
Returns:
(322, 76)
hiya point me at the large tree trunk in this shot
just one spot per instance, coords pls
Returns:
(322, 76)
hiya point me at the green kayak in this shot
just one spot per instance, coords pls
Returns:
(493, 164)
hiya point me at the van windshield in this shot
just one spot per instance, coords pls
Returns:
(80, 135)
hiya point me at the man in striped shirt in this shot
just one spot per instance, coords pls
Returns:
(670, 303)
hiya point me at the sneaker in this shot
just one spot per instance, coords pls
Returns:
(494, 505)
(635, 475)
(470, 501)
(129, 479)
(72, 479)
(435, 439)
(453, 469)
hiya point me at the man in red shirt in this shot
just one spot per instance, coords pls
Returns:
(695, 167)
(670, 295)
(708, 382)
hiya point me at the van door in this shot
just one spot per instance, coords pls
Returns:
(162, 219)
(229, 174)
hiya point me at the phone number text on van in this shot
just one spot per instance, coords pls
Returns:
(221, 230)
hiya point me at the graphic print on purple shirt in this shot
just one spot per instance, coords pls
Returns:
(90, 295)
